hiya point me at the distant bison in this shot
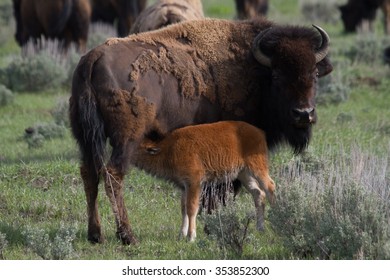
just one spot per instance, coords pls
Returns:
(66, 20)
(386, 55)
(188, 73)
(120, 12)
(247, 9)
(356, 12)
(166, 12)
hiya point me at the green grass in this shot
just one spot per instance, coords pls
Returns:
(41, 188)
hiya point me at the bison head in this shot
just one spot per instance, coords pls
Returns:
(296, 58)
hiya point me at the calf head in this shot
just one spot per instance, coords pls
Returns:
(296, 58)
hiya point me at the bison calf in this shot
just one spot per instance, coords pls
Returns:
(209, 154)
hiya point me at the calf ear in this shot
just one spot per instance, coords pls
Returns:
(324, 67)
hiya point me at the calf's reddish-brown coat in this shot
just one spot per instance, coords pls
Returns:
(210, 154)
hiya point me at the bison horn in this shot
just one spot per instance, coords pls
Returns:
(322, 51)
(262, 58)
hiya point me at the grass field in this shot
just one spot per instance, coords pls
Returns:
(42, 203)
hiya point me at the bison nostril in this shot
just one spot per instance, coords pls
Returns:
(302, 114)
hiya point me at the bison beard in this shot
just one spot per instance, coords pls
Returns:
(190, 73)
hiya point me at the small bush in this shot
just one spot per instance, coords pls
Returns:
(61, 113)
(334, 88)
(5, 19)
(6, 13)
(3, 245)
(229, 227)
(317, 10)
(99, 33)
(6, 96)
(339, 211)
(58, 248)
(35, 73)
(367, 49)
(35, 136)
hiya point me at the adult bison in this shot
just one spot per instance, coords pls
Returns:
(355, 12)
(120, 12)
(166, 12)
(247, 9)
(386, 55)
(66, 20)
(190, 73)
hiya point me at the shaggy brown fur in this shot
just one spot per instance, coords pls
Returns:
(195, 156)
(66, 20)
(190, 73)
(166, 12)
(249, 9)
(123, 13)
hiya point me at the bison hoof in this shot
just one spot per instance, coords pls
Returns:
(260, 227)
(95, 238)
(126, 238)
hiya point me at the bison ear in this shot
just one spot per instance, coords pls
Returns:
(324, 67)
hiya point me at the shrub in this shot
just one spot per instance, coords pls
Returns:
(341, 212)
(34, 73)
(5, 20)
(99, 32)
(6, 12)
(229, 227)
(6, 96)
(36, 135)
(333, 89)
(58, 248)
(3, 245)
(61, 113)
(367, 49)
(317, 10)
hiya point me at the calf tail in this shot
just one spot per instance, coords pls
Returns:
(85, 117)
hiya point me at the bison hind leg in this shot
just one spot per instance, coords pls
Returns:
(91, 182)
(113, 175)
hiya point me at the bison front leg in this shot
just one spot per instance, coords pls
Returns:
(114, 190)
(91, 182)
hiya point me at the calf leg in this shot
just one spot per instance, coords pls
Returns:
(252, 185)
(192, 207)
(91, 183)
(114, 191)
(184, 223)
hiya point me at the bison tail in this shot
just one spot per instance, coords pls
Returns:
(85, 117)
